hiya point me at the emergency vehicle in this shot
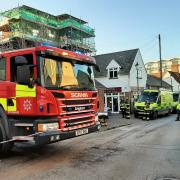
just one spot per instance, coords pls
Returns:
(152, 103)
(47, 94)
(175, 101)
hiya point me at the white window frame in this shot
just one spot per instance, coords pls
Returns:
(140, 73)
(114, 69)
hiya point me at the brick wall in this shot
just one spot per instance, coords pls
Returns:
(101, 99)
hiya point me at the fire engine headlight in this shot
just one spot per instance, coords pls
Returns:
(96, 118)
(147, 106)
(48, 127)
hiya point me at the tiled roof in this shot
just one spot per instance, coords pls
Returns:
(99, 85)
(156, 82)
(175, 75)
(124, 58)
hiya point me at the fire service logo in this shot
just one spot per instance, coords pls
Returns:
(27, 105)
(79, 95)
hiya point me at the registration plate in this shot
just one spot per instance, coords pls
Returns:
(81, 132)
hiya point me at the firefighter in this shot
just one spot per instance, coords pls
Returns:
(122, 108)
(178, 112)
(178, 116)
(127, 109)
(146, 115)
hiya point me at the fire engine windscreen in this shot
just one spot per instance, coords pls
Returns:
(66, 74)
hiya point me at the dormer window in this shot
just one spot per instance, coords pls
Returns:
(113, 73)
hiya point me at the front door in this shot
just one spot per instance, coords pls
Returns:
(112, 104)
(109, 104)
(115, 104)
(24, 100)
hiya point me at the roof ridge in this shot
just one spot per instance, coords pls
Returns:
(117, 52)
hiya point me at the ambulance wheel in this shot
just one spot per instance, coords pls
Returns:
(170, 111)
(136, 115)
(155, 115)
(6, 146)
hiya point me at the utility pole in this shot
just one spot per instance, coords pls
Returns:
(160, 58)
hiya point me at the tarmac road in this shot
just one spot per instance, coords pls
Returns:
(148, 150)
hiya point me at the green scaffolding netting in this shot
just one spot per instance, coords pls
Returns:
(37, 26)
(48, 20)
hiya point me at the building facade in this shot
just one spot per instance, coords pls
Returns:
(172, 78)
(123, 74)
(153, 68)
(25, 26)
(155, 83)
(170, 71)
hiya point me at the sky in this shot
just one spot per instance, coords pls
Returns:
(121, 24)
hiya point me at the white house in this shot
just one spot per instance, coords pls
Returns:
(121, 73)
(172, 78)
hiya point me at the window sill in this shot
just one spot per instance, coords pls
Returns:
(113, 78)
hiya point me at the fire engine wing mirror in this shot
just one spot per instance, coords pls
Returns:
(23, 75)
(96, 67)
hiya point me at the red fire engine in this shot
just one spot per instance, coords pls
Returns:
(47, 94)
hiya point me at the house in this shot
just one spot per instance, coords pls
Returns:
(173, 78)
(170, 71)
(122, 74)
(155, 83)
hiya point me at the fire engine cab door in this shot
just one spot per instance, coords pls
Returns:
(25, 99)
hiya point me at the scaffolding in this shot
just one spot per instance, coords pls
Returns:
(27, 27)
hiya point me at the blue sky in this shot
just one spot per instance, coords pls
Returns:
(121, 24)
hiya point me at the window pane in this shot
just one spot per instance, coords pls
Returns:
(13, 66)
(111, 74)
(2, 69)
(115, 74)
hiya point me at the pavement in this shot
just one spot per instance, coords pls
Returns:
(116, 120)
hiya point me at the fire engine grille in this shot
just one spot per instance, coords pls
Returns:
(77, 113)
(79, 107)
(78, 122)
(77, 102)
(74, 108)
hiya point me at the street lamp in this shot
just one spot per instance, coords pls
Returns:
(137, 76)
(171, 83)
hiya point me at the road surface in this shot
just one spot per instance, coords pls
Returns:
(143, 151)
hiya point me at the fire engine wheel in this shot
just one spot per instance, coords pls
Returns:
(5, 147)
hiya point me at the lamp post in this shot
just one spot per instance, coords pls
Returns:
(171, 84)
(137, 76)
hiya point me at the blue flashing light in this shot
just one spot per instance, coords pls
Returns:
(47, 44)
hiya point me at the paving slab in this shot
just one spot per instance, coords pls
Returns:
(116, 120)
